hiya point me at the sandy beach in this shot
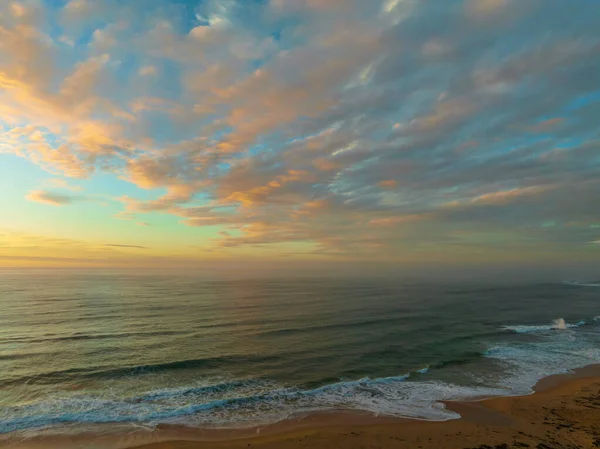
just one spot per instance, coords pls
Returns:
(564, 412)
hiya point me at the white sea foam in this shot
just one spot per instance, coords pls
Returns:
(558, 352)
(391, 396)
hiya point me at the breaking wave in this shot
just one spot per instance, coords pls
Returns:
(557, 324)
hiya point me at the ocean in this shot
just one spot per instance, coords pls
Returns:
(87, 347)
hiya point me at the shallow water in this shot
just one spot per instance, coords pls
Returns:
(85, 347)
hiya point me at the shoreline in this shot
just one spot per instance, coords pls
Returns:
(481, 422)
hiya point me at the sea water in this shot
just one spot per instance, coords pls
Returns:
(80, 347)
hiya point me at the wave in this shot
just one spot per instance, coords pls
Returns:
(582, 284)
(526, 362)
(557, 324)
(324, 327)
(110, 372)
(517, 366)
(465, 358)
(82, 336)
(205, 390)
(389, 396)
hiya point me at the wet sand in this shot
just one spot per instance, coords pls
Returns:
(563, 413)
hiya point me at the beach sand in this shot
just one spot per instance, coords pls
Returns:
(563, 413)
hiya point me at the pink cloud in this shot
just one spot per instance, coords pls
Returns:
(508, 196)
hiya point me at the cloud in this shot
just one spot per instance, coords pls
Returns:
(147, 70)
(504, 197)
(26, 248)
(388, 184)
(126, 246)
(53, 199)
(63, 184)
(486, 8)
(317, 123)
(130, 216)
(391, 221)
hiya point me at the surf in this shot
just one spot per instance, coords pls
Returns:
(418, 394)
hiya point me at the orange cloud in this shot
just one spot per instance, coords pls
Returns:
(63, 184)
(388, 184)
(326, 164)
(56, 136)
(261, 193)
(53, 199)
(508, 196)
(311, 208)
(401, 219)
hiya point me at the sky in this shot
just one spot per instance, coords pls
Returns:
(309, 133)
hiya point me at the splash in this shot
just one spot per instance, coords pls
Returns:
(559, 324)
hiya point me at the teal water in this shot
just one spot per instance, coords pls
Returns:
(84, 347)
